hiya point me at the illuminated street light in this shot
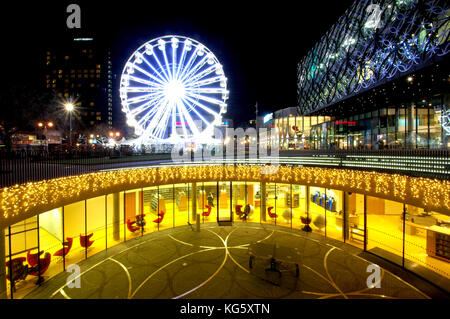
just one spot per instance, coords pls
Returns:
(69, 108)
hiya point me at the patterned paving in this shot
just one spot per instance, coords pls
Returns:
(214, 263)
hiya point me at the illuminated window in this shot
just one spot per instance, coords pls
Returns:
(99, 118)
(92, 85)
(91, 104)
(66, 57)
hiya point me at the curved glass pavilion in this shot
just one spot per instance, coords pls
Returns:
(399, 218)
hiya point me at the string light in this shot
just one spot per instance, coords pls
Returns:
(36, 197)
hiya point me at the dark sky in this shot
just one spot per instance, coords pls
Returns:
(259, 43)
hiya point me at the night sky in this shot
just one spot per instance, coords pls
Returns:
(259, 43)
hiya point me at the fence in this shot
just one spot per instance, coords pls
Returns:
(27, 166)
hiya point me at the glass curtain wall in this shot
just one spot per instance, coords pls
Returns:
(45, 245)
(114, 219)
(183, 204)
(414, 125)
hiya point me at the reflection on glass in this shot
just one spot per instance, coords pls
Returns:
(209, 200)
(225, 209)
(427, 240)
(385, 228)
(115, 223)
(283, 205)
(155, 209)
(96, 224)
(166, 207)
(182, 202)
(75, 228)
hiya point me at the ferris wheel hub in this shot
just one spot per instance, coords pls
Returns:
(174, 90)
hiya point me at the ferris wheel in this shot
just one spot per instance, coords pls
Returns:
(173, 88)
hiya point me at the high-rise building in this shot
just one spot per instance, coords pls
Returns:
(81, 71)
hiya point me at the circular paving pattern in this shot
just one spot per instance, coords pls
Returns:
(214, 263)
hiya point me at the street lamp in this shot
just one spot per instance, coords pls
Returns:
(69, 108)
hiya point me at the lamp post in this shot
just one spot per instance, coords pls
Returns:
(69, 108)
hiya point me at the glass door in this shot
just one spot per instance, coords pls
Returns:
(225, 209)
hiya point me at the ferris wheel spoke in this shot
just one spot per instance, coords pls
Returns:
(167, 77)
(195, 68)
(150, 112)
(140, 89)
(143, 81)
(141, 98)
(162, 125)
(174, 60)
(206, 90)
(161, 79)
(180, 63)
(201, 117)
(208, 81)
(190, 121)
(198, 76)
(147, 74)
(146, 106)
(182, 120)
(167, 64)
(189, 64)
(205, 98)
(157, 117)
(205, 108)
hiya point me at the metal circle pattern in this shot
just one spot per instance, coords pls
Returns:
(173, 88)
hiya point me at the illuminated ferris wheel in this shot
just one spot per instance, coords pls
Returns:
(173, 88)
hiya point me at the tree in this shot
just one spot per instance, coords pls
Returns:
(22, 107)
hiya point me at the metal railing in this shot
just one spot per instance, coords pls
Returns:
(21, 167)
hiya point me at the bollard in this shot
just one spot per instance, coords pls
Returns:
(197, 228)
